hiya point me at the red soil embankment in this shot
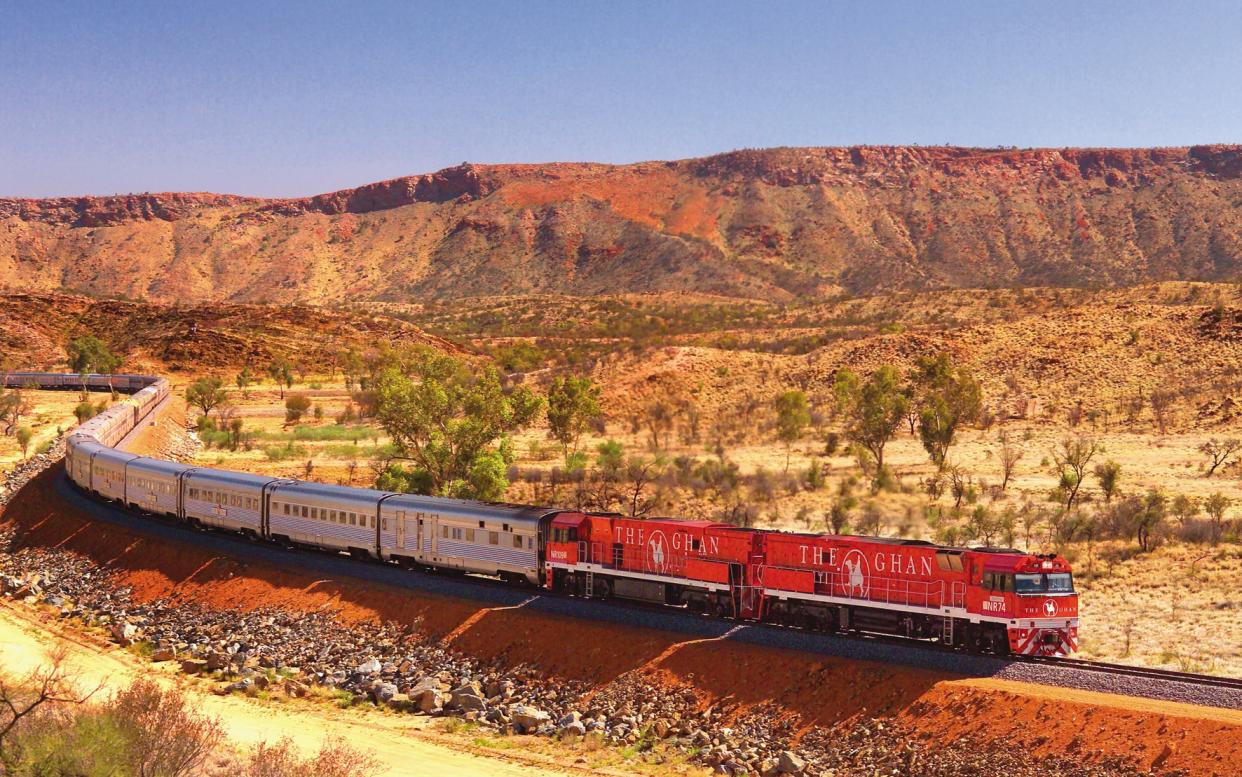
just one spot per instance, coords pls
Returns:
(814, 689)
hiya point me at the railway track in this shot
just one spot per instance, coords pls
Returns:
(1128, 670)
(1069, 673)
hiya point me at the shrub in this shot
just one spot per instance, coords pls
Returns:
(296, 406)
(334, 759)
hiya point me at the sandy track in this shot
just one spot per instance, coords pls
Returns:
(404, 745)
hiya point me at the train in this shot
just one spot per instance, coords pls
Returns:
(981, 599)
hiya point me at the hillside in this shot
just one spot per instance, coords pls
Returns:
(774, 225)
(34, 329)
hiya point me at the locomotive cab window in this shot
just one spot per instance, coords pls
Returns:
(561, 535)
(1053, 583)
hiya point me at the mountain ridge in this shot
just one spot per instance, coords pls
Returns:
(776, 224)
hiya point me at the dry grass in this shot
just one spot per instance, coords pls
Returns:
(50, 412)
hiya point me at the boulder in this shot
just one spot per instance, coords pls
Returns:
(466, 698)
(123, 633)
(429, 700)
(370, 666)
(193, 666)
(164, 654)
(217, 660)
(529, 718)
(575, 728)
(790, 763)
(383, 692)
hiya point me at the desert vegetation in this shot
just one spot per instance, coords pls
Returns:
(51, 725)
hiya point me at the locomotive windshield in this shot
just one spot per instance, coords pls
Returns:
(1053, 583)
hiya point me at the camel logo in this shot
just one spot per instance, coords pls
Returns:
(657, 552)
(857, 572)
(1050, 608)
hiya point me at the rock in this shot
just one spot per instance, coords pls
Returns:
(576, 728)
(529, 718)
(383, 692)
(572, 717)
(429, 700)
(466, 698)
(371, 666)
(163, 654)
(193, 666)
(790, 763)
(123, 633)
(217, 660)
(295, 688)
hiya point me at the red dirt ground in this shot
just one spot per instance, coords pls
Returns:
(819, 690)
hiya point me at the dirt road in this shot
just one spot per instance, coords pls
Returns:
(403, 745)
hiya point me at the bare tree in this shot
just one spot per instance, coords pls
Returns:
(48, 685)
(1010, 455)
(1072, 457)
(1161, 402)
(1219, 451)
(659, 417)
(642, 473)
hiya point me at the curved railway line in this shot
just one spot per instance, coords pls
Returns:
(1169, 685)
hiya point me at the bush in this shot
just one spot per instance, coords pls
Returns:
(282, 452)
(334, 433)
(334, 759)
(142, 730)
(1195, 530)
(296, 406)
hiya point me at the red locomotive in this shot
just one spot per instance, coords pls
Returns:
(983, 599)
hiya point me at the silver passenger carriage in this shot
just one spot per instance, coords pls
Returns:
(225, 500)
(334, 517)
(108, 472)
(482, 537)
(154, 485)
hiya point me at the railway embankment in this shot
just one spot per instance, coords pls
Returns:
(509, 668)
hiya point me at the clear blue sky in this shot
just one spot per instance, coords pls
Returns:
(306, 97)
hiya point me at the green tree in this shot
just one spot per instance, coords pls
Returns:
(453, 423)
(949, 397)
(244, 381)
(24, 436)
(792, 417)
(1215, 506)
(13, 406)
(88, 354)
(573, 404)
(281, 371)
(1149, 519)
(206, 394)
(873, 409)
(1109, 475)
